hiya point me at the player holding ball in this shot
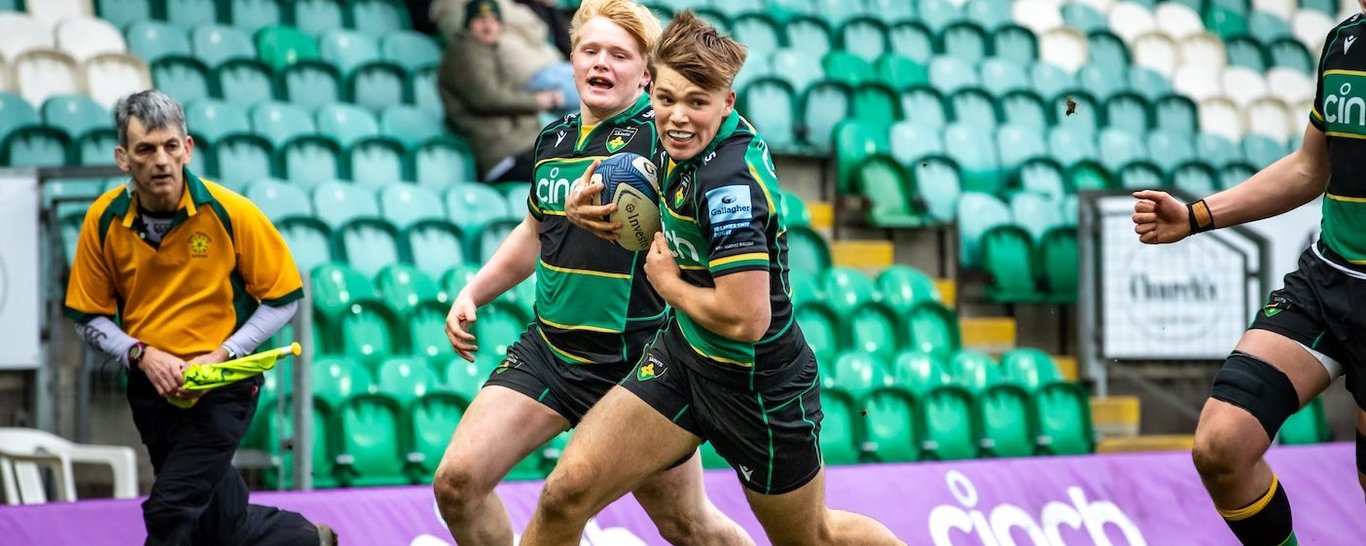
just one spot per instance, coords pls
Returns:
(595, 311)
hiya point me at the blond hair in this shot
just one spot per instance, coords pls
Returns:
(635, 19)
(699, 52)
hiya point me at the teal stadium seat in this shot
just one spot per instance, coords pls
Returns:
(840, 436)
(925, 107)
(117, 12)
(843, 67)
(314, 17)
(1148, 83)
(440, 163)
(865, 36)
(1008, 258)
(903, 287)
(369, 244)
(251, 82)
(822, 330)
(35, 146)
(1001, 76)
(912, 40)
(891, 194)
(933, 329)
(965, 41)
(74, 114)
(1043, 176)
(216, 44)
(409, 49)
(1050, 81)
(281, 46)
(1017, 44)
(770, 103)
(188, 14)
(250, 15)
(810, 35)
(938, 14)
(758, 32)
(183, 78)
(824, 105)
(379, 17)
(309, 84)
(152, 40)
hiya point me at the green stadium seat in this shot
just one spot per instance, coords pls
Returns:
(438, 164)
(183, 78)
(1267, 26)
(117, 12)
(911, 141)
(281, 46)
(938, 14)
(821, 327)
(1000, 76)
(16, 112)
(216, 44)
(1016, 44)
(977, 212)
(1089, 175)
(890, 192)
(963, 40)
(1176, 113)
(152, 40)
(903, 287)
(372, 441)
(402, 287)
(406, 379)
(337, 203)
(379, 17)
(912, 40)
(405, 205)
(1148, 83)
(1108, 51)
(876, 102)
(281, 122)
(335, 379)
(769, 103)
(1063, 415)
(1043, 176)
(899, 72)
(847, 290)
(454, 279)
(433, 418)
(806, 287)
(857, 373)
(839, 436)
(925, 107)
(315, 17)
(409, 49)
(1216, 149)
(793, 209)
(74, 114)
(369, 244)
(436, 246)
(758, 32)
(1008, 257)
(346, 123)
(1309, 425)
(933, 329)
(1029, 368)
(249, 80)
(1051, 81)
(1058, 262)
(973, 106)
(795, 67)
(1140, 174)
(465, 378)
(891, 10)
(846, 68)
(311, 160)
(310, 84)
(1018, 144)
(974, 370)
(347, 50)
(919, 372)
(279, 200)
(876, 330)
(366, 330)
(1225, 22)
(864, 37)
(1025, 109)
(949, 425)
(96, 146)
(250, 15)
(1326, 7)
(410, 126)
(188, 14)
(891, 431)
(810, 35)
(35, 146)
(1006, 425)
(1290, 53)
(250, 156)
(426, 328)
(975, 152)
(949, 74)
(1195, 177)
(500, 324)
(824, 105)
(1246, 51)
(1118, 148)
(807, 250)
(309, 241)
(1260, 151)
(336, 288)
(1070, 145)
(1084, 18)
(1128, 112)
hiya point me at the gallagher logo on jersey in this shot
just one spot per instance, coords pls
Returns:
(728, 204)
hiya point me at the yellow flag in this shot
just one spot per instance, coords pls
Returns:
(202, 377)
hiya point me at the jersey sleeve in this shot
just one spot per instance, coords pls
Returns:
(533, 204)
(263, 258)
(91, 292)
(1316, 112)
(734, 210)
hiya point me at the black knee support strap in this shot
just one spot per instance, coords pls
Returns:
(1361, 453)
(1264, 391)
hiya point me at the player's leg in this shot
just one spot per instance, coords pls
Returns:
(1268, 377)
(678, 505)
(499, 429)
(593, 471)
(800, 517)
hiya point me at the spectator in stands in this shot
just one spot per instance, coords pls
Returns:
(527, 47)
(555, 21)
(483, 101)
(194, 274)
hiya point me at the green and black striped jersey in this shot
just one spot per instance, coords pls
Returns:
(721, 217)
(1340, 111)
(593, 302)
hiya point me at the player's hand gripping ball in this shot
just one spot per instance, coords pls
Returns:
(629, 181)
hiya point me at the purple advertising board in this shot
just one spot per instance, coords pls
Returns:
(1119, 500)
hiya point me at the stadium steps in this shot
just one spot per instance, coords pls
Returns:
(862, 254)
(1116, 416)
(1138, 444)
(992, 335)
(948, 291)
(1067, 366)
(822, 216)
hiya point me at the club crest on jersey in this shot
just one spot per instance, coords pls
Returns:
(650, 369)
(619, 138)
(682, 192)
(199, 245)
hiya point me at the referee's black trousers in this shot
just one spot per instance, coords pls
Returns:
(198, 497)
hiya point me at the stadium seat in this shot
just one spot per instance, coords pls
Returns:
(1089, 175)
(876, 102)
(244, 157)
(965, 41)
(281, 122)
(1083, 17)
(311, 160)
(376, 85)
(949, 74)
(42, 73)
(865, 37)
(1170, 148)
(891, 431)
(436, 246)
(251, 15)
(1271, 117)
(464, 378)
(794, 210)
(876, 330)
(1196, 178)
(1139, 174)
(903, 287)
(183, 78)
(409, 125)
(1063, 47)
(938, 14)
(346, 123)
(912, 40)
(758, 32)
(855, 142)
(973, 106)
(1260, 150)
(810, 35)
(925, 107)
(336, 287)
(376, 162)
(152, 40)
(1178, 20)
(280, 46)
(216, 44)
(406, 205)
(822, 331)
(250, 82)
(309, 241)
(1001, 76)
(949, 426)
(278, 199)
(336, 204)
(911, 141)
(75, 114)
(426, 327)
(847, 290)
(1029, 368)
(1148, 83)
(808, 250)
(86, 37)
(369, 244)
(1006, 425)
(1035, 212)
(1157, 52)
(1309, 425)
(1216, 149)
(1118, 148)
(500, 325)
(1058, 263)
(1072, 144)
(976, 155)
(35, 146)
(1128, 112)
(839, 438)
(309, 84)
(1063, 415)
(188, 14)
(857, 373)
(433, 418)
(379, 17)
(1050, 81)
(1043, 176)
(443, 162)
(933, 329)
(372, 441)
(824, 105)
(796, 68)
(848, 69)
(769, 103)
(1017, 144)
(121, 13)
(314, 17)
(365, 331)
(899, 73)
(890, 10)
(938, 182)
(977, 212)
(806, 288)
(95, 148)
(1007, 254)
(411, 50)
(347, 49)
(1246, 52)
(1016, 44)
(113, 76)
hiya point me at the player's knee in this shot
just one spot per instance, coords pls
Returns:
(457, 488)
(566, 495)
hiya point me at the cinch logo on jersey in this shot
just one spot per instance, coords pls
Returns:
(553, 190)
(677, 246)
(1344, 108)
(1006, 522)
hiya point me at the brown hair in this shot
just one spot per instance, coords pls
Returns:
(635, 19)
(698, 52)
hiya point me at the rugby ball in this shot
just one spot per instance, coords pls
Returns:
(629, 181)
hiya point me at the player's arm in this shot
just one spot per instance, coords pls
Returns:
(511, 264)
(737, 308)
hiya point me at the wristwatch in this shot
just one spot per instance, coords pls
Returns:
(135, 354)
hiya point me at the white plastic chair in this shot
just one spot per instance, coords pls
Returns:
(1156, 52)
(1243, 85)
(113, 76)
(1203, 50)
(1063, 47)
(86, 37)
(1282, 8)
(23, 449)
(1178, 20)
(1039, 16)
(1311, 28)
(1129, 21)
(4, 75)
(1289, 85)
(1220, 116)
(51, 12)
(22, 33)
(1198, 82)
(1271, 117)
(1102, 6)
(42, 73)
